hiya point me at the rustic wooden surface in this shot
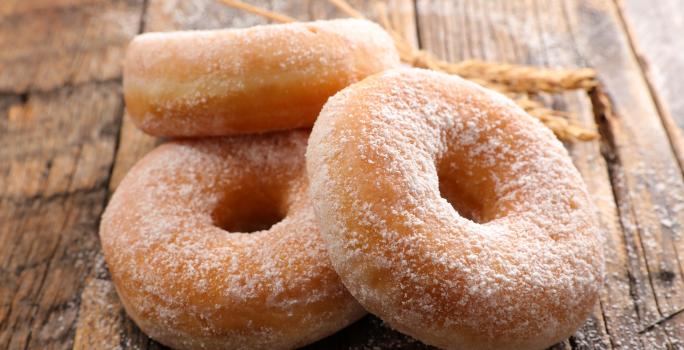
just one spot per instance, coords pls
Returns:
(65, 143)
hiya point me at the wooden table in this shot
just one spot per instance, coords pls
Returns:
(66, 142)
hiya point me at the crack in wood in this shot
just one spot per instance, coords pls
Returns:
(674, 134)
(18, 200)
(24, 95)
(661, 321)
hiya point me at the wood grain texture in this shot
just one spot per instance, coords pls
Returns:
(56, 150)
(655, 29)
(46, 45)
(60, 110)
(99, 317)
(649, 185)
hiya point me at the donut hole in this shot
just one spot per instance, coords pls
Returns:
(466, 206)
(249, 210)
(467, 191)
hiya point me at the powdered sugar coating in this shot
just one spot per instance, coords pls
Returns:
(524, 276)
(189, 284)
(233, 81)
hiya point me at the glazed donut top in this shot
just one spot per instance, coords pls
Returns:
(514, 255)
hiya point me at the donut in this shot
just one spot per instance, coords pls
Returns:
(187, 240)
(238, 81)
(453, 215)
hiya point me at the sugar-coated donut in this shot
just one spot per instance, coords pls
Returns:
(511, 259)
(190, 284)
(235, 81)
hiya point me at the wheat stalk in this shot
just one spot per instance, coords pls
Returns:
(515, 81)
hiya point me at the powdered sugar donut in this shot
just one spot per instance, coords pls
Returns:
(452, 214)
(235, 81)
(190, 284)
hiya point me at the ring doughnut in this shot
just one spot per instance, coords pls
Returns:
(236, 81)
(188, 283)
(511, 259)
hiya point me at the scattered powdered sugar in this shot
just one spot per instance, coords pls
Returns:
(526, 276)
(190, 284)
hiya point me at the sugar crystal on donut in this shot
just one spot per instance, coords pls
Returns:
(253, 80)
(452, 214)
(187, 282)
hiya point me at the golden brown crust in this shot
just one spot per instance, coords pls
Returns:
(513, 262)
(190, 284)
(237, 81)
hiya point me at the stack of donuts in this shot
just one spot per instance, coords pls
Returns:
(435, 204)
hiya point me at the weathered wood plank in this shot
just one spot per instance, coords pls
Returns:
(655, 29)
(60, 113)
(56, 150)
(99, 317)
(369, 333)
(651, 174)
(625, 315)
(13, 7)
(44, 45)
(133, 145)
(653, 183)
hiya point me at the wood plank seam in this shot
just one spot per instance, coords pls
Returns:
(605, 326)
(666, 119)
(647, 163)
(54, 196)
(416, 19)
(107, 182)
(603, 112)
(102, 271)
(40, 276)
(669, 127)
(141, 25)
(25, 94)
(50, 258)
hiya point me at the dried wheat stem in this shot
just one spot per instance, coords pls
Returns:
(524, 78)
(346, 8)
(259, 11)
(517, 78)
(557, 121)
